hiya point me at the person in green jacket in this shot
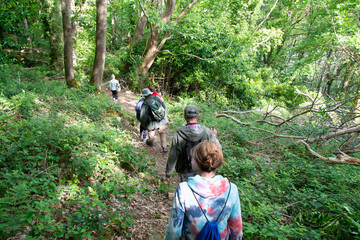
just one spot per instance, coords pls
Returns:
(150, 124)
(192, 132)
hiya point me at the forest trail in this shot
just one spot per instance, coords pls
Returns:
(151, 210)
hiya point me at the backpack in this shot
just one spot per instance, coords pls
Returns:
(138, 105)
(210, 231)
(157, 110)
(189, 145)
(138, 108)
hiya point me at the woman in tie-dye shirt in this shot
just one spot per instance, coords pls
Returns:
(211, 191)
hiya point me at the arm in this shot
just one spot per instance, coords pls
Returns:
(235, 220)
(212, 138)
(176, 220)
(173, 155)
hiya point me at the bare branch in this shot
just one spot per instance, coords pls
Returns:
(350, 140)
(339, 159)
(166, 37)
(204, 59)
(185, 11)
(304, 94)
(352, 150)
(143, 10)
(274, 135)
(267, 16)
(232, 118)
(336, 134)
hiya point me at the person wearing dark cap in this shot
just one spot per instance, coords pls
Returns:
(148, 121)
(193, 132)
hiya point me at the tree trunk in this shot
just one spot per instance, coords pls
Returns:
(68, 45)
(151, 52)
(154, 46)
(56, 36)
(99, 62)
(74, 28)
(139, 30)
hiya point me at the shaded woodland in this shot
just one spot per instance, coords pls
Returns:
(280, 79)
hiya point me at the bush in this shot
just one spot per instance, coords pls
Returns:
(60, 161)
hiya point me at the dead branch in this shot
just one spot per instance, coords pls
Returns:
(243, 112)
(338, 133)
(267, 16)
(274, 135)
(304, 94)
(351, 139)
(232, 118)
(351, 150)
(167, 35)
(204, 59)
(339, 159)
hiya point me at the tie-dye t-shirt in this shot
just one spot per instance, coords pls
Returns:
(186, 218)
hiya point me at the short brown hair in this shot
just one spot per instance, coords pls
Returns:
(208, 156)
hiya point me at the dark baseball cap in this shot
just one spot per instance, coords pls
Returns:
(191, 111)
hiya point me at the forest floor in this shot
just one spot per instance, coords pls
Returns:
(150, 211)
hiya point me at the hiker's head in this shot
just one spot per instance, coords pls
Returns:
(208, 156)
(146, 92)
(112, 76)
(152, 88)
(191, 112)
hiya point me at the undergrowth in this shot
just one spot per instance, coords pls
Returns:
(66, 164)
(67, 168)
(285, 192)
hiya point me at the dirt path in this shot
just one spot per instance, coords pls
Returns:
(151, 210)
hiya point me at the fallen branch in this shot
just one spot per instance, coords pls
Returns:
(339, 159)
(232, 118)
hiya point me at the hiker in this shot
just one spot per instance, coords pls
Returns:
(207, 197)
(191, 134)
(153, 118)
(114, 86)
(152, 88)
(143, 131)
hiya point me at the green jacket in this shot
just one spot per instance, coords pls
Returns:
(177, 156)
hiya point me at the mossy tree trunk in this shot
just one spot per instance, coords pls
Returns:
(101, 24)
(68, 45)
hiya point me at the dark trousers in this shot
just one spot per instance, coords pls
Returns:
(143, 132)
(114, 94)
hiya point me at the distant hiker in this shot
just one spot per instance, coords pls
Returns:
(207, 203)
(184, 140)
(114, 86)
(154, 118)
(143, 131)
(152, 88)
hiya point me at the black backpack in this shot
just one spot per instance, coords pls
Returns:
(156, 108)
(189, 145)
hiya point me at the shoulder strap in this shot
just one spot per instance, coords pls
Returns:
(198, 203)
(221, 209)
(225, 201)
